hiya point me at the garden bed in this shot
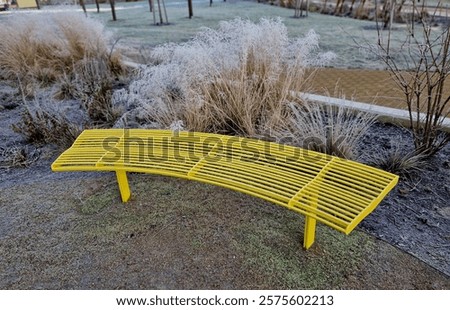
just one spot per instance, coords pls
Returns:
(70, 230)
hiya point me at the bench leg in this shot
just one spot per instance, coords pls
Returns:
(310, 224)
(310, 232)
(124, 188)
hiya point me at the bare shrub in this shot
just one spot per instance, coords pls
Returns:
(327, 129)
(39, 49)
(237, 79)
(426, 53)
(43, 126)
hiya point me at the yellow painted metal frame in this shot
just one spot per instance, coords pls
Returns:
(334, 191)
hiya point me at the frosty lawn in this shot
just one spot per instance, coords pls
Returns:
(134, 26)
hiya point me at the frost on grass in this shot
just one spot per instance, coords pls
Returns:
(65, 56)
(236, 79)
(40, 49)
(333, 130)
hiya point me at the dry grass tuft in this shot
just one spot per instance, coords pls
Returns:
(93, 86)
(70, 53)
(327, 129)
(398, 161)
(43, 126)
(249, 100)
(38, 50)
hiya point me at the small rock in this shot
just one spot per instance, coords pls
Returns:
(446, 164)
(1, 107)
(427, 189)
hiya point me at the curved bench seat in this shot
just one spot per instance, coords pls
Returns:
(337, 192)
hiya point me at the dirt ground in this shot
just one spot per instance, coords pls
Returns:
(70, 231)
(415, 217)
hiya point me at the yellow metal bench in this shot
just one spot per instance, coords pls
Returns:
(337, 192)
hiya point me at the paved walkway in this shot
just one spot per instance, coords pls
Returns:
(366, 90)
(370, 86)
(385, 114)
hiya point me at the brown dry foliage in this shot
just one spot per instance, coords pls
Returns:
(39, 50)
(245, 101)
(93, 86)
(41, 126)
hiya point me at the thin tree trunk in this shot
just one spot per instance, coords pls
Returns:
(297, 8)
(98, 6)
(336, 6)
(342, 7)
(324, 8)
(83, 6)
(360, 9)
(113, 9)
(150, 4)
(387, 13)
(399, 8)
(339, 6)
(165, 12)
(191, 13)
(351, 6)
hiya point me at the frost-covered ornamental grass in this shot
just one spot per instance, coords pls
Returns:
(39, 49)
(237, 79)
(63, 55)
(327, 129)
